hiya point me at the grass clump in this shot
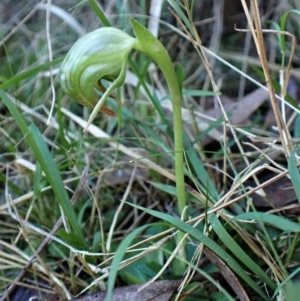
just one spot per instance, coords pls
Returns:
(100, 206)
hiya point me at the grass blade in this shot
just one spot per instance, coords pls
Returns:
(42, 154)
(271, 219)
(294, 174)
(238, 251)
(117, 259)
(209, 243)
(30, 72)
(99, 13)
(200, 170)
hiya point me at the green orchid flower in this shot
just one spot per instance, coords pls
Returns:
(99, 55)
(102, 55)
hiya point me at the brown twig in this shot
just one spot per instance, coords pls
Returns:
(257, 34)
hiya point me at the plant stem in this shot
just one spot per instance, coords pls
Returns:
(151, 46)
(178, 132)
(169, 73)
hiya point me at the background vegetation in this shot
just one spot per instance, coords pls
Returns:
(240, 150)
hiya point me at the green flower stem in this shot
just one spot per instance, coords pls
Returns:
(148, 44)
(168, 71)
(154, 49)
(170, 76)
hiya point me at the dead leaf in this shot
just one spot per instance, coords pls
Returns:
(227, 274)
(156, 291)
(279, 193)
(239, 111)
(123, 175)
(242, 109)
(23, 293)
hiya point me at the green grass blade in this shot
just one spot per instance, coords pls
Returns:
(186, 228)
(215, 282)
(292, 290)
(10, 184)
(285, 281)
(99, 13)
(178, 8)
(117, 259)
(271, 219)
(199, 93)
(155, 102)
(200, 170)
(297, 127)
(43, 156)
(294, 174)
(30, 72)
(279, 36)
(170, 189)
(238, 251)
(283, 27)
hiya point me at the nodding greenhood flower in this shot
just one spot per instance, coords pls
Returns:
(101, 54)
